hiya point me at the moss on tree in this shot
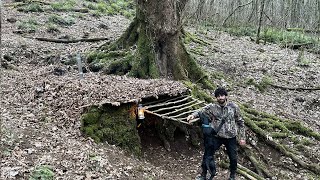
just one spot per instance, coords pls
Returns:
(144, 65)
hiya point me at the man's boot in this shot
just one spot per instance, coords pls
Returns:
(203, 176)
(232, 176)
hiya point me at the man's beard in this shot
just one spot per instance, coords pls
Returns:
(222, 101)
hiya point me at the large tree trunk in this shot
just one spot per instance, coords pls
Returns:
(160, 24)
(157, 34)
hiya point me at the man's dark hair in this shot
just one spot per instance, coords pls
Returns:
(220, 91)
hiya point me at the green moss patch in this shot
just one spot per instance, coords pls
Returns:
(114, 125)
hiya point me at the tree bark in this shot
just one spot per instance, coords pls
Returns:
(156, 33)
(160, 25)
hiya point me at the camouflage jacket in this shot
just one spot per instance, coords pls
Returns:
(230, 113)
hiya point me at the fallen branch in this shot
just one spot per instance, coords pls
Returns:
(17, 4)
(303, 30)
(24, 3)
(69, 40)
(251, 173)
(80, 10)
(295, 88)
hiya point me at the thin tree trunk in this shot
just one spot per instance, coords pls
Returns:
(0, 34)
(260, 21)
(318, 2)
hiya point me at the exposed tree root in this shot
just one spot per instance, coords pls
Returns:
(254, 119)
(260, 168)
(244, 171)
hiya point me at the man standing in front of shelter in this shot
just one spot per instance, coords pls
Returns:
(224, 117)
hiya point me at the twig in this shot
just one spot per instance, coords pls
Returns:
(17, 4)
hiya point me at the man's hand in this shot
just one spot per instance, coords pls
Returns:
(190, 117)
(242, 142)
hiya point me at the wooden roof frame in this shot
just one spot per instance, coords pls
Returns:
(175, 109)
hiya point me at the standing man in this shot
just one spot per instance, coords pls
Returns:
(224, 117)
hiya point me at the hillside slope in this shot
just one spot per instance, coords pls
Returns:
(35, 132)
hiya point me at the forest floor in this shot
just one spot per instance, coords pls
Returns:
(34, 133)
